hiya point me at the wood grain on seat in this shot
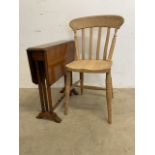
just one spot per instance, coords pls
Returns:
(89, 66)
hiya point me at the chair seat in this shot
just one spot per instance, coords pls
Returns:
(89, 66)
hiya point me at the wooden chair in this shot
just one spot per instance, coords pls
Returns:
(90, 64)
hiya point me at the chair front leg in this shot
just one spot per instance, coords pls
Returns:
(112, 87)
(109, 96)
(67, 92)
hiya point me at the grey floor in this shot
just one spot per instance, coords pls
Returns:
(84, 131)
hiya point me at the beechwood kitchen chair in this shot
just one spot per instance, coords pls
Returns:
(98, 64)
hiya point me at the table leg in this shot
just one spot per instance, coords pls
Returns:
(44, 87)
(49, 98)
(40, 87)
(44, 91)
(73, 91)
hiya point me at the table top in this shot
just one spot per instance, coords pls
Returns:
(53, 56)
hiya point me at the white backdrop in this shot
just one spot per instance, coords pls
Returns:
(43, 21)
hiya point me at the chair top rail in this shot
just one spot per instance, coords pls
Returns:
(111, 21)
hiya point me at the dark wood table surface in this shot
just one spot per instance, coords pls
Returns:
(47, 64)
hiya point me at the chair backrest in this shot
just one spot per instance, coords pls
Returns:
(106, 21)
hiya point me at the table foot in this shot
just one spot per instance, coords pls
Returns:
(49, 116)
(62, 90)
(74, 91)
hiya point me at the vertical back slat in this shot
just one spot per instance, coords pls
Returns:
(106, 44)
(83, 44)
(90, 43)
(112, 46)
(98, 43)
(76, 46)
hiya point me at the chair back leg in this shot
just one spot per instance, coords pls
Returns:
(81, 81)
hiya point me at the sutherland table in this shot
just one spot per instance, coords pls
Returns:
(47, 64)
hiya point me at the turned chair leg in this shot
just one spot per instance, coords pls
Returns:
(81, 82)
(67, 92)
(109, 96)
(112, 88)
(71, 82)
